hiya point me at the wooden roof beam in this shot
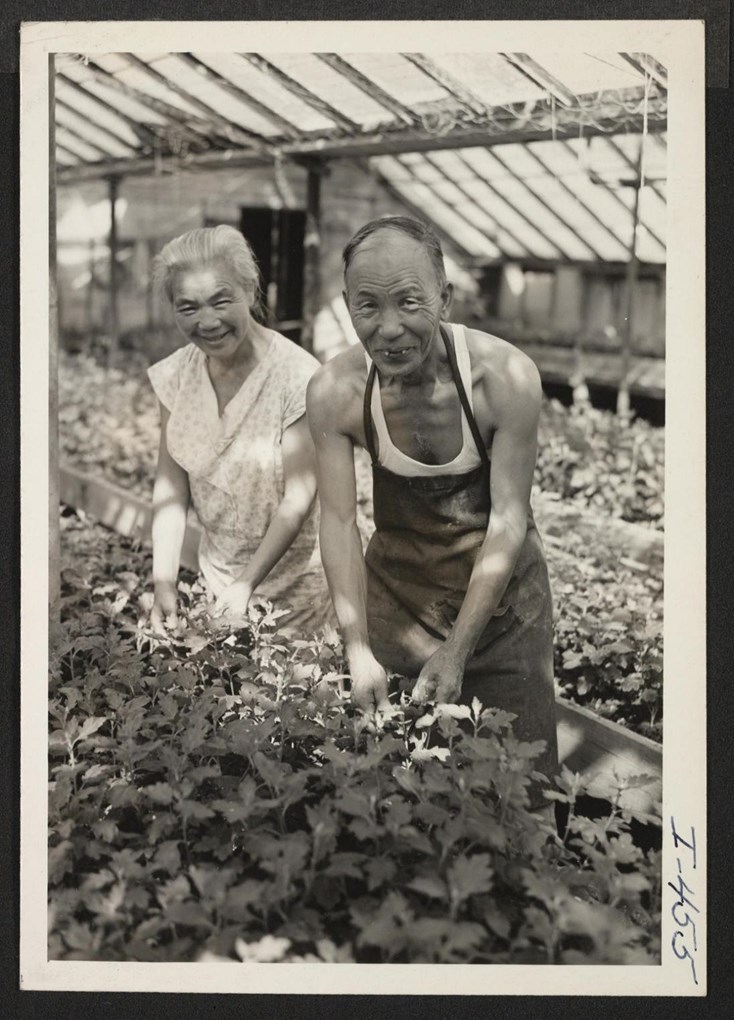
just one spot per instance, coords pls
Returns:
(447, 81)
(305, 95)
(96, 125)
(539, 76)
(258, 107)
(518, 212)
(370, 88)
(547, 206)
(233, 132)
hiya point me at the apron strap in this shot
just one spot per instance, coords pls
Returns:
(367, 415)
(451, 352)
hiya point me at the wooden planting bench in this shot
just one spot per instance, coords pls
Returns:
(588, 744)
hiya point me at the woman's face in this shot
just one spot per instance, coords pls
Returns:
(212, 309)
(395, 301)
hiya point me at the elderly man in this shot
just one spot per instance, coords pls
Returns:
(453, 589)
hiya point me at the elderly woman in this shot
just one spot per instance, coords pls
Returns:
(454, 590)
(234, 440)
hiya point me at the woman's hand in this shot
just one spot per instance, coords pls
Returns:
(441, 678)
(233, 602)
(369, 683)
(164, 614)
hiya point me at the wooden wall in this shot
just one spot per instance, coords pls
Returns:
(536, 303)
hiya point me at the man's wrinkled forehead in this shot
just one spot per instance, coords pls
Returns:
(386, 247)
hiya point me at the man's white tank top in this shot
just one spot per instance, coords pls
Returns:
(393, 459)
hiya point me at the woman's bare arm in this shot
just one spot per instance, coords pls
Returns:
(171, 498)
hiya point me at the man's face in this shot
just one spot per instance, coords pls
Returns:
(212, 309)
(395, 301)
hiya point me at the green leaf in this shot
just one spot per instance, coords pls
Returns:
(470, 875)
(159, 793)
(429, 885)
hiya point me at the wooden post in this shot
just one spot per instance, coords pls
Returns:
(54, 557)
(312, 255)
(114, 317)
(623, 396)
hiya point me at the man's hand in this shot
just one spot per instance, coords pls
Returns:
(369, 683)
(233, 602)
(164, 614)
(441, 678)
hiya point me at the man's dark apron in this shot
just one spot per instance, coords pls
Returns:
(428, 531)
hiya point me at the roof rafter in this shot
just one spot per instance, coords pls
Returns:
(546, 205)
(447, 81)
(457, 212)
(369, 87)
(518, 212)
(68, 152)
(240, 95)
(569, 191)
(610, 191)
(457, 184)
(138, 128)
(632, 165)
(539, 76)
(95, 124)
(647, 65)
(420, 214)
(301, 92)
(185, 124)
(65, 129)
(232, 131)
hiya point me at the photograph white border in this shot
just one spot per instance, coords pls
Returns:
(679, 45)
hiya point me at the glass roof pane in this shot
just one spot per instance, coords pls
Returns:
(87, 129)
(113, 97)
(490, 77)
(92, 112)
(268, 90)
(65, 160)
(549, 225)
(583, 240)
(139, 79)
(568, 163)
(197, 85)
(76, 145)
(421, 196)
(589, 72)
(327, 83)
(504, 214)
(398, 77)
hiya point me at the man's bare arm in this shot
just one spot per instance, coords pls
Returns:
(341, 544)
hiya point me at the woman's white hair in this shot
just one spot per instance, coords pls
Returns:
(203, 247)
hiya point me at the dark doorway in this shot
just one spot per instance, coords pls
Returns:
(276, 237)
